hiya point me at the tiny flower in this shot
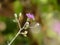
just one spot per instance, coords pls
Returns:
(29, 15)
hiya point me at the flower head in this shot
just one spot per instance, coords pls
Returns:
(29, 15)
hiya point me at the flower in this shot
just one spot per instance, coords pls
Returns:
(29, 15)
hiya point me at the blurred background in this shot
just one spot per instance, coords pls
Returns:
(49, 11)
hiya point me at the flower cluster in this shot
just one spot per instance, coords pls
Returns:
(26, 25)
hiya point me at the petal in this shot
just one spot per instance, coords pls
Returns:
(30, 16)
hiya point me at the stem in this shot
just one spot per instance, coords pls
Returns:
(15, 36)
(17, 33)
(18, 23)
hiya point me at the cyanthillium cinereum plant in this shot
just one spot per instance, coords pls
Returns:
(26, 25)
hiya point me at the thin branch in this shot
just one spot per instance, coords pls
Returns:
(18, 31)
(18, 23)
(15, 36)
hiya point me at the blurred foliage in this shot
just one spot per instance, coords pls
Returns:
(17, 7)
(11, 26)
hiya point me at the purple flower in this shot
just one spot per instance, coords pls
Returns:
(56, 26)
(29, 15)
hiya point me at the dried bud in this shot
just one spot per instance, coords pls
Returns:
(20, 14)
(26, 25)
(24, 33)
(15, 15)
